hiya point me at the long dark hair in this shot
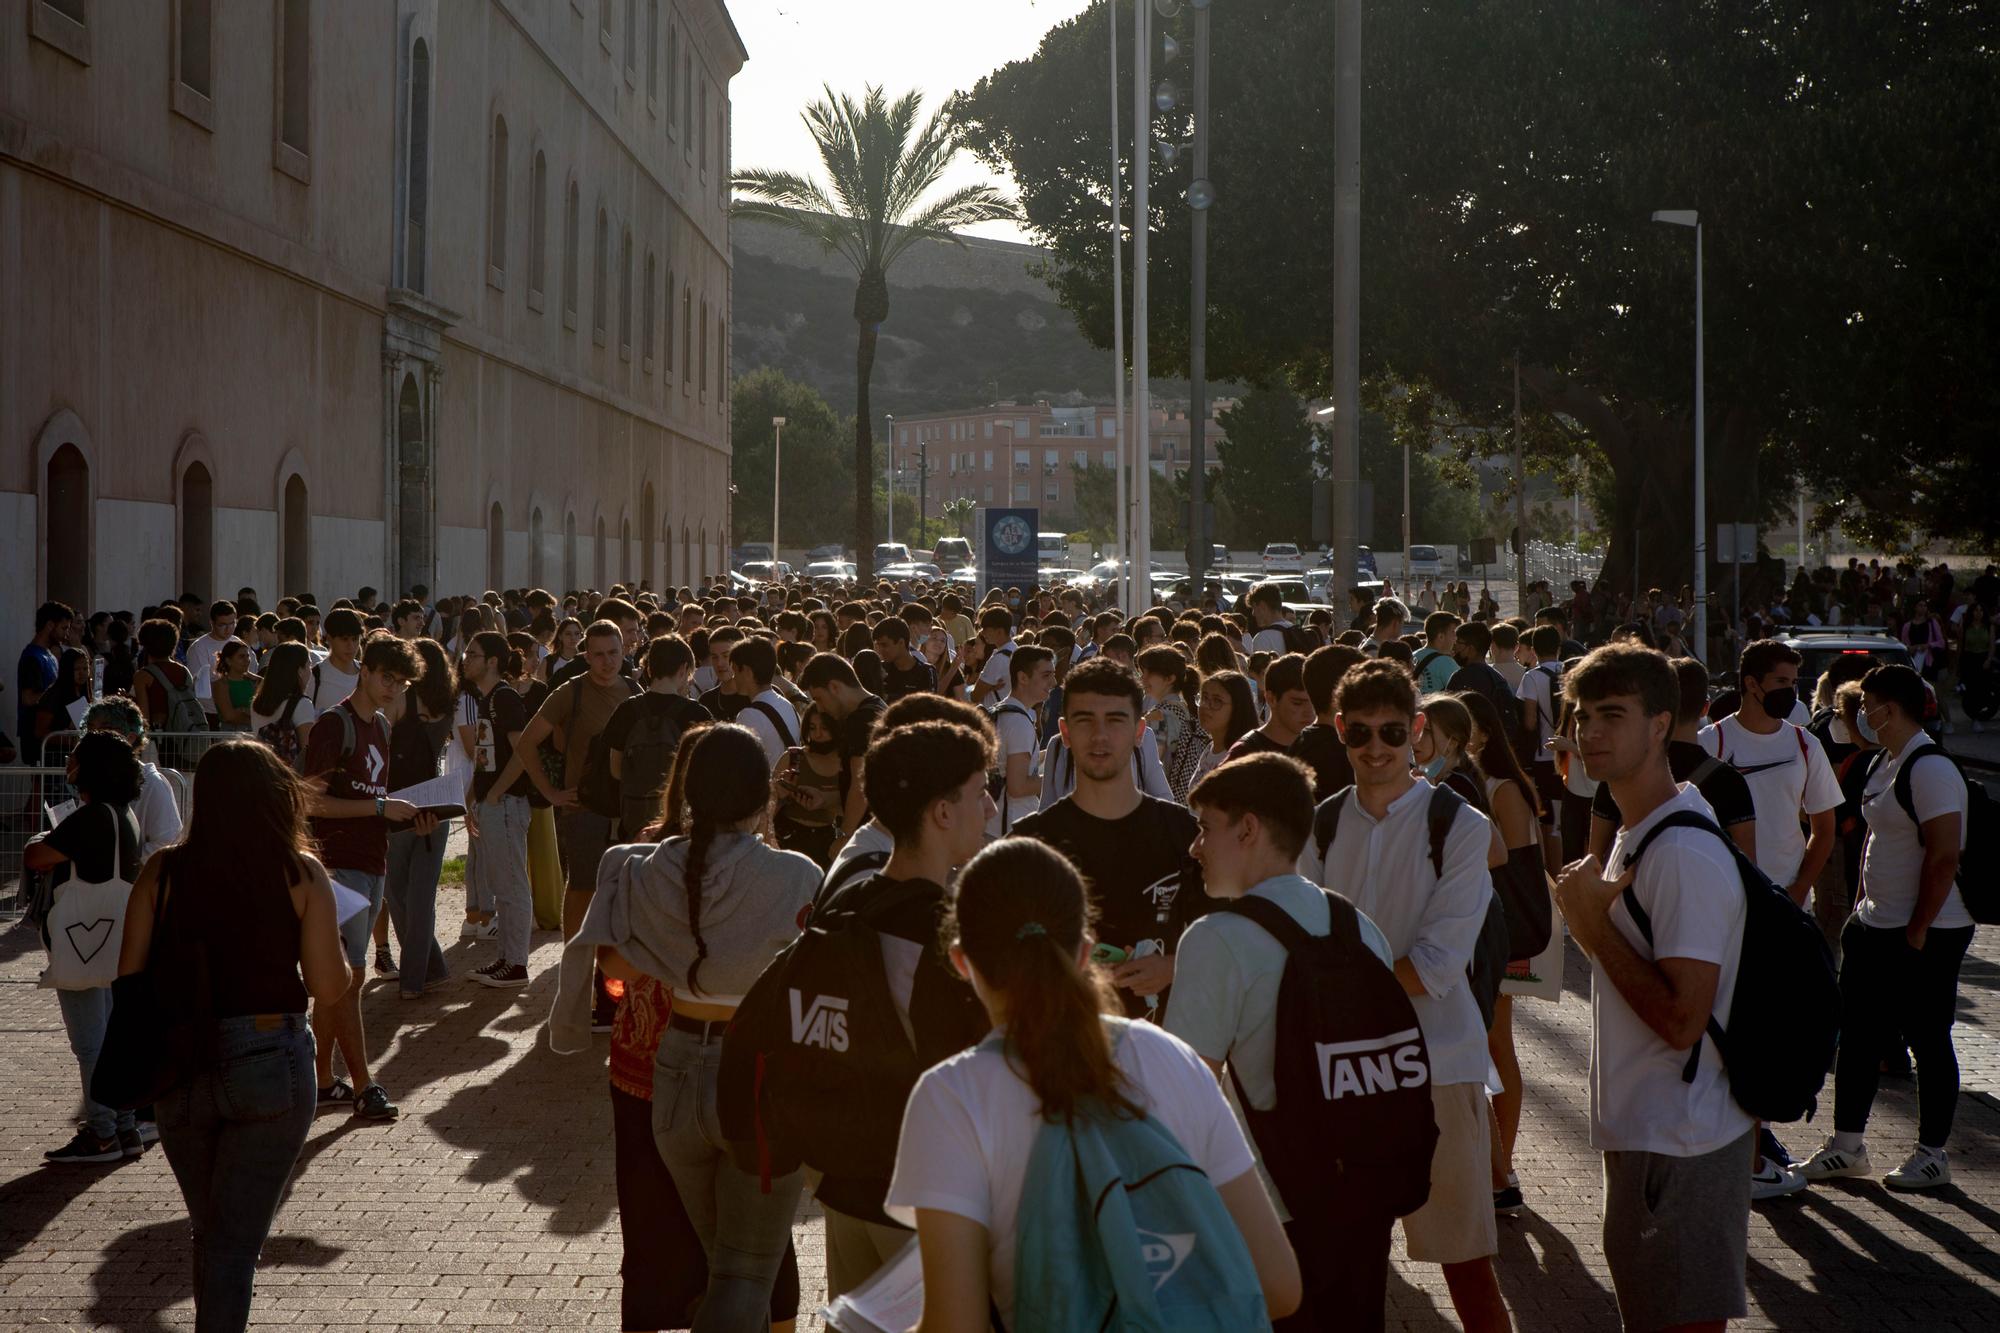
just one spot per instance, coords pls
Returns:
(437, 689)
(673, 798)
(728, 780)
(281, 679)
(1497, 759)
(1022, 915)
(248, 831)
(1242, 704)
(65, 691)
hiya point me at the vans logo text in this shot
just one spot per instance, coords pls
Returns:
(823, 1023)
(1374, 1064)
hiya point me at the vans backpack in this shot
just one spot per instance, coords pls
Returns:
(817, 1065)
(1494, 948)
(648, 759)
(1979, 863)
(1354, 1110)
(1119, 1229)
(1784, 1019)
(184, 711)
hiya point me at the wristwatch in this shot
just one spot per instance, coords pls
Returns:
(380, 805)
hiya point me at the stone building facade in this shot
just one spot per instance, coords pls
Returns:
(307, 295)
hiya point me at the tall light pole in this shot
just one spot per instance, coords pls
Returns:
(889, 475)
(1200, 196)
(1688, 217)
(777, 442)
(1141, 567)
(1121, 430)
(1346, 289)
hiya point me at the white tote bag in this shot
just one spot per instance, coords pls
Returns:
(86, 930)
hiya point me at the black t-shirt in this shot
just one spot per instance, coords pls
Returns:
(1256, 742)
(1144, 883)
(723, 707)
(676, 708)
(852, 734)
(1320, 746)
(87, 839)
(501, 717)
(1724, 788)
(919, 678)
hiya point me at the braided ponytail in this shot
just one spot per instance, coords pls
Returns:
(727, 781)
(699, 837)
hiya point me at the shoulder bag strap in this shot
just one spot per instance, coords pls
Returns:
(1444, 808)
(1274, 920)
(1326, 819)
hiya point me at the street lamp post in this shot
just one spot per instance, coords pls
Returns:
(889, 475)
(777, 441)
(1688, 217)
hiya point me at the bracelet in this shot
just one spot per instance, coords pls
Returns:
(380, 805)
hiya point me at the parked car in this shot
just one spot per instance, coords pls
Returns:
(1364, 564)
(1424, 563)
(952, 553)
(766, 571)
(830, 571)
(891, 553)
(749, 552)
(910, 569)
(1283, 558)
(826, 551)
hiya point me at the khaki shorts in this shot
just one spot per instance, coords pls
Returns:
(1456, 1224)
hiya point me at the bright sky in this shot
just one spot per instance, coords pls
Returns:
(937, 47)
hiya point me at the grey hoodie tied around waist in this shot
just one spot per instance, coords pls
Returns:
(753, 897)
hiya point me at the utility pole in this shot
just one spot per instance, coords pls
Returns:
(1141, 567)
(1346, 289)
(889, 474)
(1520, 501)
(923, 493)
(1200, 196)
(1121, 431)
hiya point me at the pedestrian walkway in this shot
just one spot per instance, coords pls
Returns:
(490, 1204)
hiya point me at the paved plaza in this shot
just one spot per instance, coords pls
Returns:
(490, 1204)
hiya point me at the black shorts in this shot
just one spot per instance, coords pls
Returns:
(1548, 786)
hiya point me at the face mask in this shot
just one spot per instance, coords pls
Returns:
(1435, 770)
(821, 747)
(1779, 703)
(1866, 729)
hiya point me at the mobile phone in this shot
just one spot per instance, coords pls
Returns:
(1108, 953)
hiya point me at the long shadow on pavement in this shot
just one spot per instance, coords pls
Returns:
(1861, 1287)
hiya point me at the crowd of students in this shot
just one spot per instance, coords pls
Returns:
(1268, 890)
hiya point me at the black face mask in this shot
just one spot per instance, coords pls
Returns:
(1779, 703)
(821, 747)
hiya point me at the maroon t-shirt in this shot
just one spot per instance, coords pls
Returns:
(351, 844)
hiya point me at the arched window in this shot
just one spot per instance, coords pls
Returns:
(646, 533)
(631, 40)
(667, 360)
(535, 547)
(704, 128)
(721, 357)
(413, 490)
(687, 558)
(198, 530)
(704, 348)
(569, 257)
(496, 206)
(653, 55)
(67, 540)
(538, 230)
(673, 63)
(646, 338)
(496, 547)
(295, 575)
(417, 188)
(625, 297)
(687, 338)
(625, 550)
(598, 561)
(599, 290)
(569, 552)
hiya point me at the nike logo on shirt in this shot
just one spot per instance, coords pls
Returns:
(1747, 769)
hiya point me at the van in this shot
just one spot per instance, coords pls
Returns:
(891, 553)
(1052, 548)
(952, 553)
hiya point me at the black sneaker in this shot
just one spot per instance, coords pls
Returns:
(479, 973)
(374, 1104)
(1507, 1202)
(86, 1149)
(130, 1143)
(340, 1094)
(385, 963)
(507, 974)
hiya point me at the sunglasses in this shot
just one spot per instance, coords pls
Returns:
(1358, 734)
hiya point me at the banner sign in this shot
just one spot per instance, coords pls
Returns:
(1007, 554)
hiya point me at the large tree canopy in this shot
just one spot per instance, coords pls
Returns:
(1841, 156)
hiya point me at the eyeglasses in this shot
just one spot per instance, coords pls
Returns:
(1358, 734)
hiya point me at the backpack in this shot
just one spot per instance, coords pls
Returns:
(817, 1065)
(996, 781)
(1118, 1228)
(184, 711)
(1354, 1115)
(1979, 863)
(857, 867)
(1494, 948)
(777, 721)
(596, 789)
(1784, 1019)
(1298, 639)
(1531, 738)
(648, 759)
(1423, 660)
(281, 734)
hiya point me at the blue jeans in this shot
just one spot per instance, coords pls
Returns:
(502, 871)
(743, 1229)
(85, 1015)
(357, 929)
(232, 1134)
(415, 861)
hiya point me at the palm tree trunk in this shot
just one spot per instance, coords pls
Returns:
(871, 307)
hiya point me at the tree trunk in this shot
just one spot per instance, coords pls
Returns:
(871, 307)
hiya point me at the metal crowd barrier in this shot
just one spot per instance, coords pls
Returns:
(24, 792)
(177, 750)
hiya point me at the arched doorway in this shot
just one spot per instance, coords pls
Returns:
(647, 573)
(198, 532)
(597, 564)
(624, 550)
(569, 553)
(67, 536)
(413, 491)
(496, 548)
(296, 538)
(535, 548)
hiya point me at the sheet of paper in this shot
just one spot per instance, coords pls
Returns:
(448, 789)
(889, 1302)
(346, 902)
(76, 711)
(58, 813)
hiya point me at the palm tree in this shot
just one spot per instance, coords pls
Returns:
(878, 167)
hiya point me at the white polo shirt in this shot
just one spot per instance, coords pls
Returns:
(1384, 868)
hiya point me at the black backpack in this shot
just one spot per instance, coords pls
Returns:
(817, 1065)
(1353, 1117)
(1494, 949)
(1979, 863)
(1784, 1019)
(647, 759)
(996, 781)
(1298, 639)
(854, 869)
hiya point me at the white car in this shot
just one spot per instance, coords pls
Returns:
(1283, 558)
(1424, 563)
(838, 571)
(765, 571)
(910, 569)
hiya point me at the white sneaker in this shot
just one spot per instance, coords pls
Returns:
(1831, 1163)
(1925, 1170)
(1770, 1181)
(470, 930)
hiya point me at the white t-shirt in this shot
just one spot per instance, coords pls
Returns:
(201, 655)
(332, 684)
(754, 718)
(1016, 727)
(1538, 683)
(998, 671)
(1691, 892)
(1892, 860)
(1271, 638)
(1788, 775)
(971, 1124)
(303, 714)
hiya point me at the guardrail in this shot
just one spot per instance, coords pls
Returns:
(178, 750)
(26, 795)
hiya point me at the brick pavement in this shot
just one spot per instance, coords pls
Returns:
(490, 1205)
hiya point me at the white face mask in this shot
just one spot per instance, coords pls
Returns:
(1866, 728)
(1840, 733)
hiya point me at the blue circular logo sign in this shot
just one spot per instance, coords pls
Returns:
(1011, 536)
